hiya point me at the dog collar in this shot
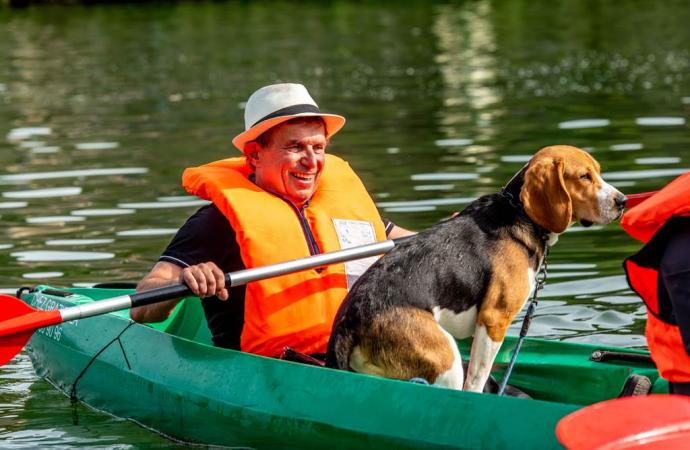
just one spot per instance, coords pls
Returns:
(511, 192)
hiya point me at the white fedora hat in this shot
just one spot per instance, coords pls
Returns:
(277, 103)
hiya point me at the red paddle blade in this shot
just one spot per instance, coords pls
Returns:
(645, 422)
(18, 322)
(636, 199)
(10, 346)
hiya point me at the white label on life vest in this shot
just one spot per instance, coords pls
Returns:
(353, 233)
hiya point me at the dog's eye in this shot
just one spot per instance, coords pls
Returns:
(586, 177)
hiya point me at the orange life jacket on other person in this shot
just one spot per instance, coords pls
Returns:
(645, 222)
(295, 310)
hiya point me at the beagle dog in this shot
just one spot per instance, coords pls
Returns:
(469, 275)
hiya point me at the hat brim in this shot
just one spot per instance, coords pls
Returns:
(333, 123)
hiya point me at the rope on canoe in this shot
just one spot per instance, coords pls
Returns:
(73, 391)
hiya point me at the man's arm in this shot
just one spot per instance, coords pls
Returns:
(396, 232)
(204, 280)
(162, 274)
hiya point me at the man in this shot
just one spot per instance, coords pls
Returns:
(660, 274)
(285, 199)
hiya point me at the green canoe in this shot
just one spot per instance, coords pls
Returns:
(168, 377)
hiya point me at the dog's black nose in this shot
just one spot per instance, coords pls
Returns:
(620, 200)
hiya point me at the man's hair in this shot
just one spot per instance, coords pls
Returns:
(264, 139)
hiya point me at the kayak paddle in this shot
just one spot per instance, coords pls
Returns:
(18, 320)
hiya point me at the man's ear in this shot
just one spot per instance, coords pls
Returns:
(251, 151)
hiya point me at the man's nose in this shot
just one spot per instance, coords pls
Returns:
(309, 157)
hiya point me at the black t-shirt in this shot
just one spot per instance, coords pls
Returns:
(207, 236)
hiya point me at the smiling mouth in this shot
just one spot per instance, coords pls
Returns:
(303, 177)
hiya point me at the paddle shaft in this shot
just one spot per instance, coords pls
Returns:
(636, 199)
(38, 319)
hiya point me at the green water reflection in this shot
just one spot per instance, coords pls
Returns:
(464, 91)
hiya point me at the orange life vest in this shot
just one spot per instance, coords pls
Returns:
(295, 310)
(645, 222)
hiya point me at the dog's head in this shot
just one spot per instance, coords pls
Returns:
(563, 184)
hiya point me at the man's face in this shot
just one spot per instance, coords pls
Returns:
(292, 161)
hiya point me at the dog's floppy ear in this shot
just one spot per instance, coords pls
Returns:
(546, 200)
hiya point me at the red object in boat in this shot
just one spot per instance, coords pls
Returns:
(650, 422)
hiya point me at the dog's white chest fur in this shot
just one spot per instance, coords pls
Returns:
(460, 325)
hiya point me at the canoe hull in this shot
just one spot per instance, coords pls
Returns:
(199, 393)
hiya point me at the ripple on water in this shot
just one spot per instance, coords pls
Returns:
(579, 228)
(68, 242)
(430, 202)
(102, 212)
(612, 320)
(572, 266)
(658, 160)
(409, 209)
(176, 198)
(44, 193)
(147, 232)
(20, 134)
(43, 436)
(54, 219)
(547, 324)
(554, 275)
(42, 275)
(588, 286)
(52, 255)
(444, 176)
(6, 246)
(84, 284)
(166, 204)
(12, 205)
(660, 121)
(643, 174)
(616, 340)
(97, 145)
(21, 177)
(626, 147)
(516, 158)
(584, 123)
(434, 187)
(453, 142)
(619, 299)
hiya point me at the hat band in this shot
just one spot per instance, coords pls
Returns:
(290, 111)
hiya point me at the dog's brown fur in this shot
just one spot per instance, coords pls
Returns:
(427, 356)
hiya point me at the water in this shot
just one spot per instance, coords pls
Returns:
(102, 107)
